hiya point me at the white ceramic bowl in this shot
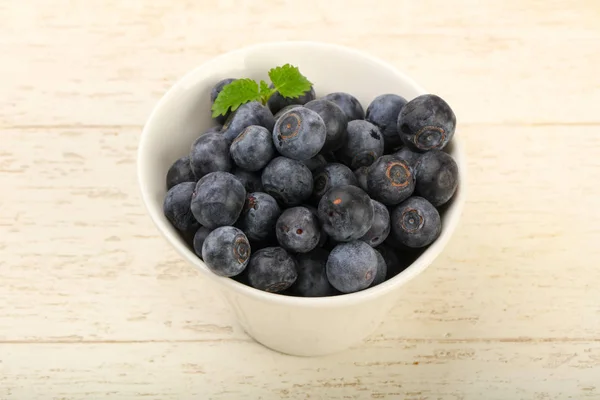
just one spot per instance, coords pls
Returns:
(292, 325)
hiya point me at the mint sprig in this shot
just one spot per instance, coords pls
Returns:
(286, 79)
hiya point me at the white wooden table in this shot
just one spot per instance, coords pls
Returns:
(94, 304)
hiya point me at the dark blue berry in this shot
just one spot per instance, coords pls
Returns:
(408, 155)
(390, 180)
(253, 148)
(176, 207)
(380, 229)
(361, 177)
(396, 261)
(316, 162)
(210, 153)
(416, 223)
(218, 199)
(180, 171)
(312, 275)
(426, 123)
(383, 113)
(226, 251)
(285, 109)
(352, 266)
(363, 146)
(251, 180)
(299, 134)
(335, 121)
(259, 216)
(324, 235)
(288, 181)
(298, 230)
(437, 177)
(330, 176)
(381, 270)
(346, 213)
(271, 269)
(213, 96)
(276, 102)
(252, 113)
(199, 238)
(348, 103)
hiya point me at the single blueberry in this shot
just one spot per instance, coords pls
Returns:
(426, 123)
(253, 148)
(176, 207)
(352, 266)
(383, 113)
(408, 155)
(437, 177)
(180, 171)
(299, 134)
(390, 180)
(298, 230)
(316, 162)
(210, 153)
(396, 261)
(364, 145)
(259, 216)
(252, 113)
(381, 270)
(336, 122)
(272, 269)
(348, 103)
(226, 251)
(380, 229)
(288, 181)
(276, 102)
(361, 177)
(218, 199)
(252, 181)
(346, 213)
(312, 275)
(285, 109)
(330, 176)
(213, 96)
(416, 223)
(199, 238)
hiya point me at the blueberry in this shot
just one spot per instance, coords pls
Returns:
(346, 213)
(335, 121)
(330, 176)
(299, 134)
(383, 113)
(312, 275)
(226, 251)
(218, 199)
(253, 148)
(210, 153)
(361, 177)
(251, 180)
(285, 109)
(381, 270)
(298, 230)
(380, 229)
(180, 171)
(316, 162)
(324, 235)
(426, 123)
(407, 154)
(348, 103)
(215, 92)
(176, 207)
(277, 101)
(288, 181)
(352, 266)
(416, 223)
(252, 113)
(364, 145)
(395, 261)
(199, 239)
(259, 216)
(437, 177)
(272, 269)
(390, 180)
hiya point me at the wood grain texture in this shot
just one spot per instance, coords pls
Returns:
(94, 303)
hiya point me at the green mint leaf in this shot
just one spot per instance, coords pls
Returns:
(265, 92)
(234, 95)
(288, 81)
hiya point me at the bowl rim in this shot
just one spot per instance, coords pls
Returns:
(453, 214)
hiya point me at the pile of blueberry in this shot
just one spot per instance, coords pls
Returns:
(312, 196)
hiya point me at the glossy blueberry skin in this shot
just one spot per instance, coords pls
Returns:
(363, 145)
(213, 96)
(253, 148)
(251, 113)
(346, 213)
(176, 207)
(299, 134)
(251, 180)
(437, 177)
(381, 273)
(226, 251)
(259, 216)
(199, 238)
(352, 266)
(390, 180)
(336, 122)
(426, 123)
(330, 176)
(316, 162)
(312, 275)
(272, 269)
(380, 229)
(408, 155)
(285, 109)
(416, 223)
(210, 153)
(276, 102)
(361, 177)
(218, 199)
(298, 230)
(180, 171)
(348, 103)
(288, 181)
(383, 113)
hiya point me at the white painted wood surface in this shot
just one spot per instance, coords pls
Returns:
(94, 304)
